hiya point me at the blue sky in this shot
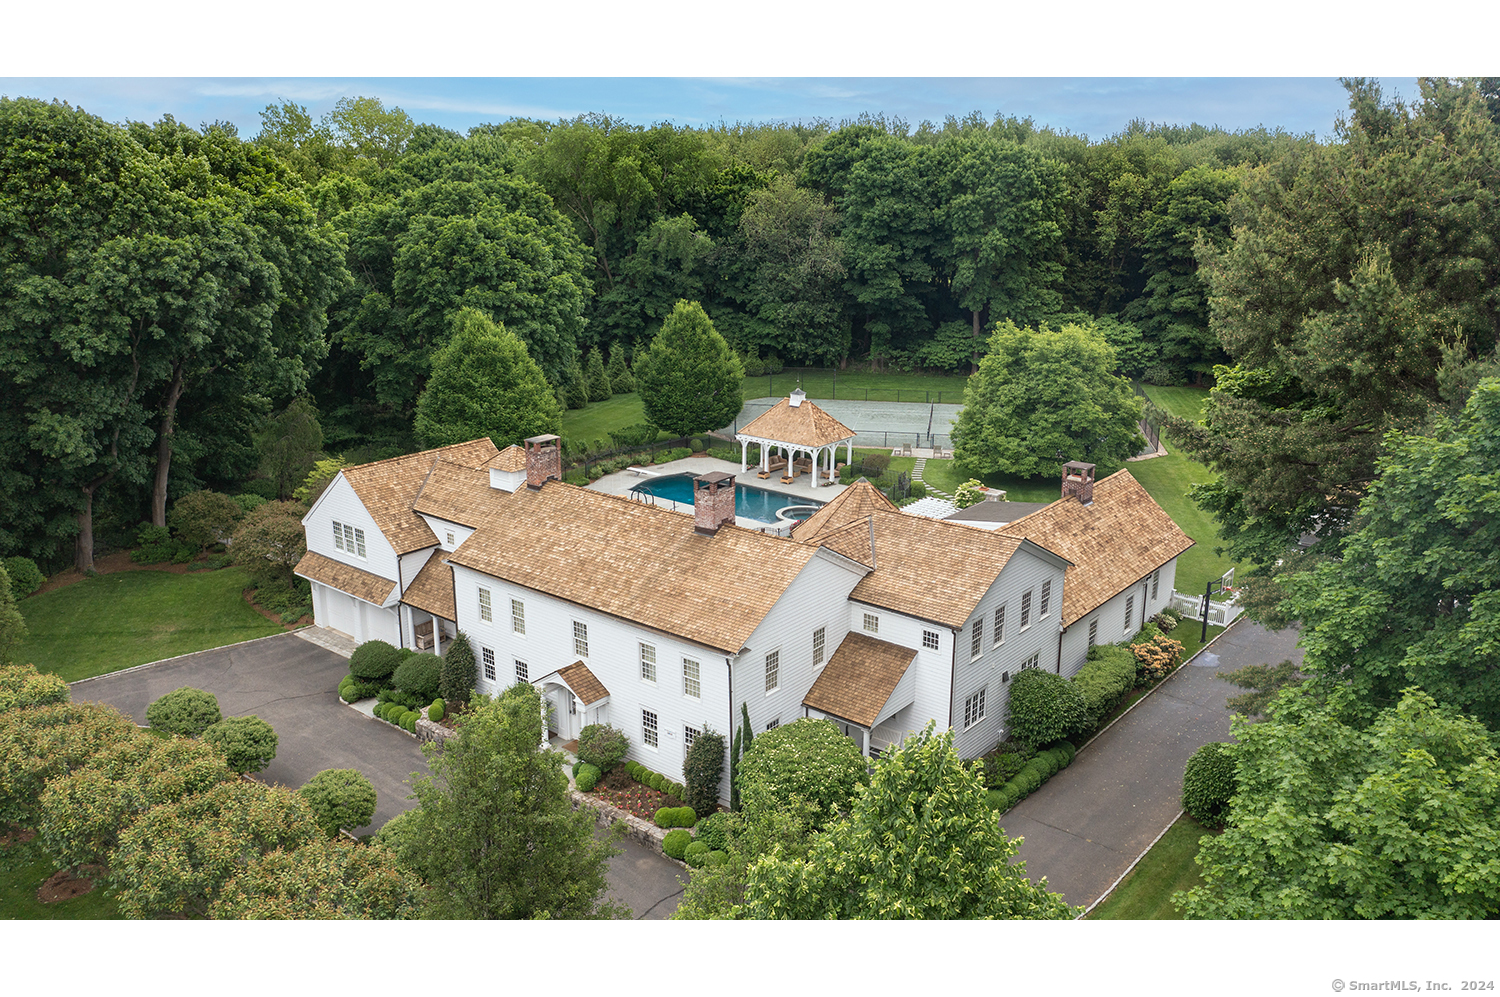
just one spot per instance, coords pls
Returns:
(1096, 107)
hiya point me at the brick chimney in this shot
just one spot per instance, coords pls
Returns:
(543, 460)
(713, 501)
(1078, 479)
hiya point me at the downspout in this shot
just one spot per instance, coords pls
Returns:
(952, 671)
(1060, 631)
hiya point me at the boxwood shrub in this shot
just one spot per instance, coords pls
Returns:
(709, 860)
(419, 675)
(676, 817)
(694, 853)
(374, 659)
(436, 712)
(184, 711)
(676, 842)
(1208, 782)
(658, 781)
(587, 776)
(714, 830)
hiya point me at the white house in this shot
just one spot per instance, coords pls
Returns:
(664, 625)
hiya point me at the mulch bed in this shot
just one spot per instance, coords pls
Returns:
(618, 789)
(63, 885)
(16, 836)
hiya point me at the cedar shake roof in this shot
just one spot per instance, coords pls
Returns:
(459, 494)
(927, 568)
(852, 541)
(432, 589)
(387, 488)
(859, 679)
(346, 578)
(512, 458)
(804, 425)
(1114, 542)
(637, 562)
(584, 683)
(855, 502)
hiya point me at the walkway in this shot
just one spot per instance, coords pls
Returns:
(1089, 822)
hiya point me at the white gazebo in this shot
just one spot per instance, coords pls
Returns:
(795, 426)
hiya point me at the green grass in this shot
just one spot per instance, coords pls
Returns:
(1168, 480)
(596, 421)
(115, 621)
(1146, 894)
(945, 388)
(18, 885)
(1185, 403)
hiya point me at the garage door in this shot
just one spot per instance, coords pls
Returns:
(339, 611)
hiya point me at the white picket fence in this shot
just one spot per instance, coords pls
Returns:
(1220, 614)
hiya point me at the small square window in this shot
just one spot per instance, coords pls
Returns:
(872, 623)
(930, 639)
(450, 538)
(517, 616)
(648, 663)
(649, 729)
(690, 683)
(580, 639)
(773, 671)
(999, 626)
(489, 663)
(819, 636)
(522, 671)
(1046, 598)
(1026, 610)
(485, 613)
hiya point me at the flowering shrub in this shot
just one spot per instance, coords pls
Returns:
(1156, 657)
(968, 493)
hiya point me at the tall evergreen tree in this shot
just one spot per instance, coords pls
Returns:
(688, 377)
(484, 383)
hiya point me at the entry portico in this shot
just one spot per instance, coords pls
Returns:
(795, 426)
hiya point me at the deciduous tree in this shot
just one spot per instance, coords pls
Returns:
(321, 880)
(804, 763)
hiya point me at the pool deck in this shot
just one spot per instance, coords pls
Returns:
(621, 482)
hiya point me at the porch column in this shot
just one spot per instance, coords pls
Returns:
(744, 456)
(816, 470)
(545, 744)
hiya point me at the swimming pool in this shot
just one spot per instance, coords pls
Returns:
(749, 502)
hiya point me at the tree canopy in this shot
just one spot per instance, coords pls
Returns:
(688, 378)
(1044, 397)
(484, 383)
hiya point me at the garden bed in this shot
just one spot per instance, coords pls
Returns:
(619, 790)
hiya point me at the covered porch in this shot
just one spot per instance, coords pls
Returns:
(865, 688)
(573, 697)
(428, 611)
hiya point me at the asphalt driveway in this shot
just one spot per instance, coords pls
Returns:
(1089, 822)
(291, 684)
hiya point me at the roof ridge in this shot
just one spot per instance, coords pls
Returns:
(419, 453)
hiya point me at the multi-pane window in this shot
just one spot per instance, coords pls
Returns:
(349, 539)
(489, 663)
(1035, 661)
(976, 639)
(1046, 598)
(517, 616)
(872, 623)
(522, 671)
(974, 709)
(1093, 631)
(689, 735)
(1026, 610)
(1155, 582)
(999, 626)
(450, 538)
(1129, 611)
(648, 663)
(930, 639)
(773, 724)
(649, 729)
(485, 612)
(690, 684)
(580, 639)
(773, 671)
(820, 635)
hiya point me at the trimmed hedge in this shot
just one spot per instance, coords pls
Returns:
(419, 675)
(1208, 782)
(184, 711)
(436, 711)
(1031, 777)
(340, 798)
(587, 776)
(676, 842)
(1108, 675)
(375, 660)
(1044, 707)
(676, 817)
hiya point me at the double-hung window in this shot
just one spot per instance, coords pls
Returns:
(1155, 582)
(974, 709)
(976, 639)
(485, 612)
(773, 671)
(349, 539)
(690, 683)
(488, 657)
(689, 735)
(1046, 598)
(1129, 611)
(1093, 631)
(819, 637)
(522, 671)
(648, 663)
(518, 616)
(1026, 610)
(580, 639)
(999, 625)
(649, 729)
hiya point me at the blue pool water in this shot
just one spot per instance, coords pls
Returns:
(752, 503)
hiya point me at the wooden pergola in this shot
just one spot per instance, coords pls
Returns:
(795, 426)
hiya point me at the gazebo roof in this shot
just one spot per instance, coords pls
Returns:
(798, 422)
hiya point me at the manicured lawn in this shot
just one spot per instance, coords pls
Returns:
(1185, 403)
(945, 388)
(1146, 894)
(114, 621)
(595, 422)
(1168, 480)
(18, 900)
